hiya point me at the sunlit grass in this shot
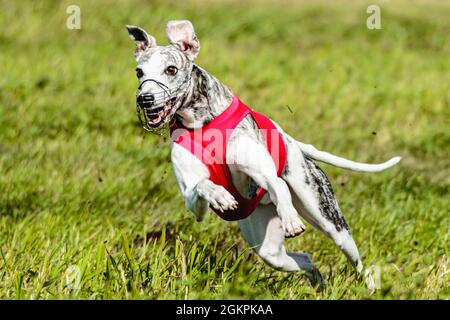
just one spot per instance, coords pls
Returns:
(82, 186)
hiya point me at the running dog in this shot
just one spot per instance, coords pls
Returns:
(174, 90)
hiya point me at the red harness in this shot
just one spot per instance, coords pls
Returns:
(209, 145)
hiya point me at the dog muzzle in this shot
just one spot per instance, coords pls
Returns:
(154, 110)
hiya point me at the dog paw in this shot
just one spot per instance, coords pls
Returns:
(315, 278)
(222, 200)
(199, 216)
(292, 225)
(218, 197)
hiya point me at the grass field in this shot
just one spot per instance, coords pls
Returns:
(83, 188)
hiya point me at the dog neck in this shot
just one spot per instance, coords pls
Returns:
(205, 99)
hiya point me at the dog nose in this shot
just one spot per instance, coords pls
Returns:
(146, 100)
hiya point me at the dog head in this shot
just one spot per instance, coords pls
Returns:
(164, 72)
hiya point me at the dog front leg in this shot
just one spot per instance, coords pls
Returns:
(217, 196)
(208, 193)
(189, 173)
(196, 204)
(198, 191)
(281, 197)
(252, 158)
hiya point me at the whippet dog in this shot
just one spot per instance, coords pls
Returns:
(173, 88)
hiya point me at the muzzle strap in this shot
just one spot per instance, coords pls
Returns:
(151, 104)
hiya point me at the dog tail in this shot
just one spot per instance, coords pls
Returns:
(312, 152)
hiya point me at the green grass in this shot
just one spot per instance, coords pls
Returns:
(81, 185)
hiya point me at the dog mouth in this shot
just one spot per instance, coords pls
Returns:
(156, 116)
(154, 110)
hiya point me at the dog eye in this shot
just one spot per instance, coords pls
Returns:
(139, 73)
(171, 70)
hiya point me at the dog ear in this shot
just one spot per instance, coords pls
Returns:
(182, 32)
(142, 39)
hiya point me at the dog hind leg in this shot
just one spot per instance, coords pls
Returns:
(314, 199)
(263, 230)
